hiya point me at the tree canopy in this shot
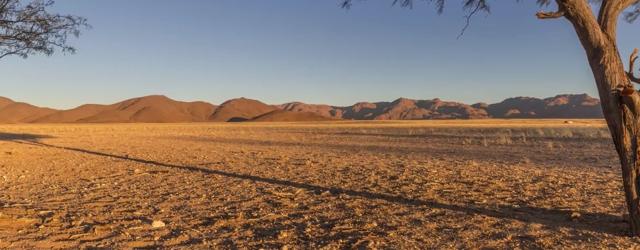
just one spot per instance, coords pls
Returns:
(475, 6)
(28, 28)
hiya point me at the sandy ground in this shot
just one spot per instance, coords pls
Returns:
(438, 184)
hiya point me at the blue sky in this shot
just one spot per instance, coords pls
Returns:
(304, 50)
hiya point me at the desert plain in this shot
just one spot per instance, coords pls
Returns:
(525, 184)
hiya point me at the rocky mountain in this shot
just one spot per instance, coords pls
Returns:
(290, 116)
(320, 109)
(560, 106)
(161, 109)
(400, 109)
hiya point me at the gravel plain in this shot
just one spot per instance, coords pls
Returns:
(426, 184)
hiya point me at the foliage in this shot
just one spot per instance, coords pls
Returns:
(29, 28)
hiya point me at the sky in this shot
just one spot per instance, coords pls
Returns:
(312, 51)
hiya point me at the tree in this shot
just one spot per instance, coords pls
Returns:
(29, 29)
(620, 101)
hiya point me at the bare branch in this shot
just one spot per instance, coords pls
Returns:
(632, 15)
(609, 14)
(550, 15)
(632, 60)
(480, 5)
(472, 7)
(28, 28)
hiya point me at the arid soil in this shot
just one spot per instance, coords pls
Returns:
(428, 184)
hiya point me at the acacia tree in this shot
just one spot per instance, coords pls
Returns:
(620, 101)
(29, 29)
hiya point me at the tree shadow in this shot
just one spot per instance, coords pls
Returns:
(549, 217)
(237, 119)
(22, 137)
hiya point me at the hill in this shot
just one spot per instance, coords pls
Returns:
(290, 116)
(400, 109)
(5, 101)
(560, 106)
(240, 109)
(161, 109)
(154, 108)
(408, 109)
(19, 112)
(320, 109)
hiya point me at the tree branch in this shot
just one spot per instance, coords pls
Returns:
(580, 14)
(610, 11)
(632, 60)
(28, 28)
(479, 5)
(550, 15)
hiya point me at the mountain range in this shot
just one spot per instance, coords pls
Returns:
(161, 109)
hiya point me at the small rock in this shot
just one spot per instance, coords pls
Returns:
(102, 230)
(45, 213)
(283, 235)
(575, 215)
(157, 224)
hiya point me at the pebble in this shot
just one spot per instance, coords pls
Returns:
(575, 215)
(157, 224)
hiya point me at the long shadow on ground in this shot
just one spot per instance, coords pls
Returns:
(21, 137)
(553, 218)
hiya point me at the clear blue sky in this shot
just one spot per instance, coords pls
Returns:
(304, 50)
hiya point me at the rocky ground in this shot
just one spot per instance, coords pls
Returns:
(437, 184)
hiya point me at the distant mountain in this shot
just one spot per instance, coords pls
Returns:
(19, 112)
(408, 109)
(161, 109)
(560, 106)
(144, 109)
(240, 109)
(400, 109)
(5, 101)
(290, 116)
(320, 109)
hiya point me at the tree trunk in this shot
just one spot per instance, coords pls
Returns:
(621, 112)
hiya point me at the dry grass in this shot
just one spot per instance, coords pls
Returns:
(438, 184)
